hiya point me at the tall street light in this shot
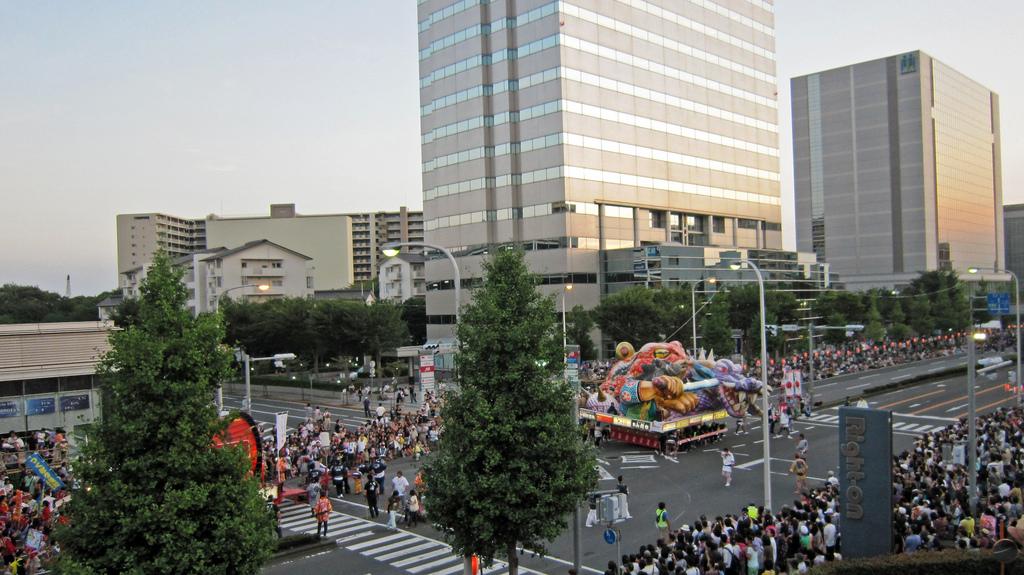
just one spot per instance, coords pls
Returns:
(260, 287)
(391, 249)
(735, 265)
(1018, 382)
(576, 545)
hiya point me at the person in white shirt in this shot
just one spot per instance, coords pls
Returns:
(400, 484)
(728, 460)
(829, 533)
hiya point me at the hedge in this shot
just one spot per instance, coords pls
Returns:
(948, 562)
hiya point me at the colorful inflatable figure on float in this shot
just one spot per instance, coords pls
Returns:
(661, 382)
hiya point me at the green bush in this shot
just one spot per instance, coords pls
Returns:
(949, 562)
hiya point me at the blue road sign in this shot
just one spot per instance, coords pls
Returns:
(609, 536)
(998, 303)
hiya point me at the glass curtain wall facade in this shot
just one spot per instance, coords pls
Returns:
(896, 170)
(568, 127)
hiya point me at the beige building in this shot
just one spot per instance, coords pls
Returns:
(326, 238)
(139, 236)
(235, 273)
(48, 373)
(346, 248)
(256, 271)
(569, 127)
(402, 277)
(372, 230)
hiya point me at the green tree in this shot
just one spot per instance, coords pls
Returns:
(507, 473)
(898, 329)
(158, 497)
(337, 325)
(874, 330)
(29, 304)
(384, 329)
(414, 314)
(716, 335)
(126, 313)
(630, 315)
(579, 323)
(835, 336)
(919, 310)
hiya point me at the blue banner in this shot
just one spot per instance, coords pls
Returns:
(38, 465)
(40, 405)
(10, 408)
(74, 402)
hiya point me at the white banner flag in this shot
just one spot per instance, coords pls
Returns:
(281, 425)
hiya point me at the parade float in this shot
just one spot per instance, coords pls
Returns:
(660, 389)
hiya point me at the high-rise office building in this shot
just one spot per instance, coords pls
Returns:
(897, 170)
(1013, 224)
(568, 127)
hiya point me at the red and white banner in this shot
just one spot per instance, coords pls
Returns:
(791, 382)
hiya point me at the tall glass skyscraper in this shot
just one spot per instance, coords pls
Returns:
(569, 127)
(897, 170)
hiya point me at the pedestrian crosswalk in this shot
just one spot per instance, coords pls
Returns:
(400, 549)
(829, 419)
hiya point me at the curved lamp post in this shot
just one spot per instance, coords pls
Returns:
(391, 249)
(261, 287)
(737, 264)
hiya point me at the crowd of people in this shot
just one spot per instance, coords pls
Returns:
(931, 510)
(322, 452)
(29, 509)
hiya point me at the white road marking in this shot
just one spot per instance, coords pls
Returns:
(935, 417)
(640, 467)
(914, 405)
(956, 408)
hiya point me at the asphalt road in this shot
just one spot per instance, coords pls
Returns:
(690, 484)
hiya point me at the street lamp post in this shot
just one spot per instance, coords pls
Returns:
(245, 359)
(261, 287)
(391, 250)
(576, 544)
(1018, 382)
(766, 453)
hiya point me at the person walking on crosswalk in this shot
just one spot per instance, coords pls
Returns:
(371, 497)
(323, 514)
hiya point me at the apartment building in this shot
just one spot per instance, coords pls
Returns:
(372, 230)
(259, 270)
(346, 248)
(570, 127)
(402, 277)
(139, 236)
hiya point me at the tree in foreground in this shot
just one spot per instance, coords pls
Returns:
(511, 466)
(157, 497)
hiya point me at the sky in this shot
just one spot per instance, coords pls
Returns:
(195, 107)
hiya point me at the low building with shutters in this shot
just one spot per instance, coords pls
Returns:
(48, 374)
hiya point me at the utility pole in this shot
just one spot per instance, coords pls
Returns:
(972, 440)
(810, 363)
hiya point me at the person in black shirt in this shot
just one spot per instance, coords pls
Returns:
(371, 496)
(379, 476)
(339, 474)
